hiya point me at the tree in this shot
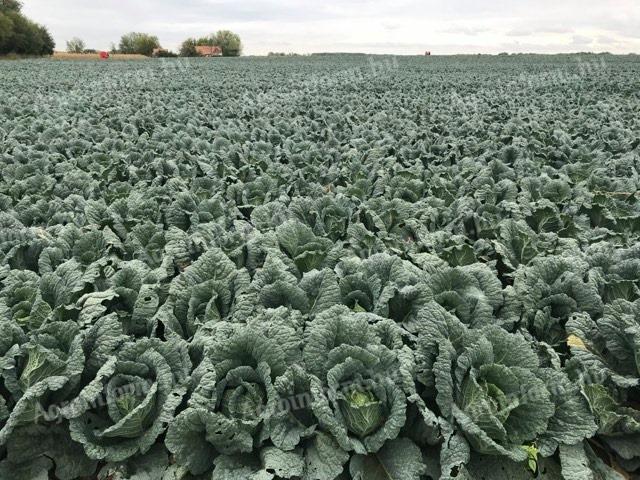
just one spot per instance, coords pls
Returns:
(209, 41)
(48, 44)
(27, 39)
(6, 32)
(10, 5)
(141, 43)
(20, 35)
(75, 45)
(229, 42)
(188, 48)
(166, 54)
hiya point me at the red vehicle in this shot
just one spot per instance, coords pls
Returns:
(104, 55)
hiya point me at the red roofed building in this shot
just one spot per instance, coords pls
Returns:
(209, 51)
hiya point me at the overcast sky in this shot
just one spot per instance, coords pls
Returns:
(370, 26)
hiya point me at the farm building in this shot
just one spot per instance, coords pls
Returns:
(209, 51)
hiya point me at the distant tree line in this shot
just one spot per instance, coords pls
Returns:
(228, 41)
(146, 44)
(140, 43)
(20, 35)
(76, 45)
(283, 54)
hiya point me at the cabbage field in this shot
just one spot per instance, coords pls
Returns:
(332, 267)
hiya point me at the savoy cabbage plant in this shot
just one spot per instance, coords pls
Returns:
(342, 268)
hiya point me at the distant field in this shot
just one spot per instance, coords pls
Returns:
(94, 56)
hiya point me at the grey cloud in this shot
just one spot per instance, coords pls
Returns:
(466, 30)
(306, 26)
(581, 40)
(526, 29)
(519, 32)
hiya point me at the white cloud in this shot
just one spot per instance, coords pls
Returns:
(374, 26)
